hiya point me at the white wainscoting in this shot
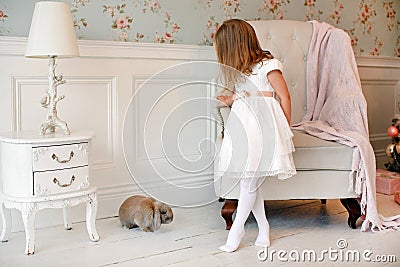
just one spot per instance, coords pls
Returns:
(380, 79)
(100, 85)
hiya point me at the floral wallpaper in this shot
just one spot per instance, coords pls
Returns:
(3, 18)
(373, 25)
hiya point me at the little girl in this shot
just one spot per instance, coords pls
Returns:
(258, 139)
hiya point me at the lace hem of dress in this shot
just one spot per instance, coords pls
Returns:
(281, 175)
(282, 166)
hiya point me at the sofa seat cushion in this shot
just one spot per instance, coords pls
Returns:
(313, 153)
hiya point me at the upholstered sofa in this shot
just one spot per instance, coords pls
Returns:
(323, 167)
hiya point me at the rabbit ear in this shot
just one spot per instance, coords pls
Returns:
(156, 216)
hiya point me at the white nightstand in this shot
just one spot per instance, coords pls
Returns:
(39, 172)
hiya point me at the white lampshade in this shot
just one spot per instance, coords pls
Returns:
(52, 31)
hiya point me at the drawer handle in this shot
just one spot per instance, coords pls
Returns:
(55, 180)
(55, 157)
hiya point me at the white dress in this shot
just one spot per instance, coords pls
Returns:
(258, 139)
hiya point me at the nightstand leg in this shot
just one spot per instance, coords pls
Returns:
(91, 210)
(28, 213)
(6, 221)
(67, 218)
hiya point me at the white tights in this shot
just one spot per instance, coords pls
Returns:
(250, 199)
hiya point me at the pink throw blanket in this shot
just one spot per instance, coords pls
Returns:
(337, 111)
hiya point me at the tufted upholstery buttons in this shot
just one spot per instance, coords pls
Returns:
(288, 41)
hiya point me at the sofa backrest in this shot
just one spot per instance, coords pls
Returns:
(288, 41)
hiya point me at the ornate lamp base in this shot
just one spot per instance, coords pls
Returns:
(50, 126)
(50, 102)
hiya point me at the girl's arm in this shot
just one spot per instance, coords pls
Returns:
(279, 84)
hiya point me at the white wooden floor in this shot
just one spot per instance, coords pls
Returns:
(193, 237)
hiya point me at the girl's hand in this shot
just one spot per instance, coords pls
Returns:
(227, 100)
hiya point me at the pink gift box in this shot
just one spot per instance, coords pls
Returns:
(397, 197)
(387, 182)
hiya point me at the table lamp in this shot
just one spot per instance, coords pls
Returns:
(52, 35)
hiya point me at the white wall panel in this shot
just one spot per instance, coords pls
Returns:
(99, 87)
(90, 103)
(380, 81)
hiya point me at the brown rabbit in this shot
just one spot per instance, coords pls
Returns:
(144, 212)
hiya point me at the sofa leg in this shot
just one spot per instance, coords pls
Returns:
(353, 208)
(323, 201)
(227, 211)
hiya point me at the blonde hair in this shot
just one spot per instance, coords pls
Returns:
(237, 49)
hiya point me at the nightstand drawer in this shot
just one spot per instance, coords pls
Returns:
(60, 181)
(60, 156)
